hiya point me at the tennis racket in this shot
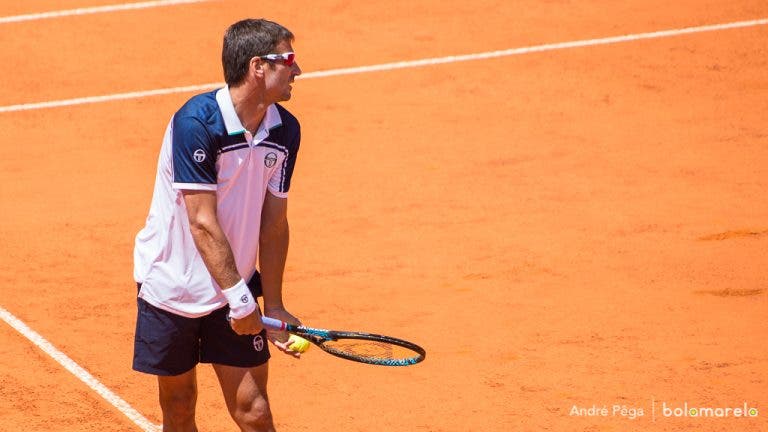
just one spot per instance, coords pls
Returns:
(356, 346)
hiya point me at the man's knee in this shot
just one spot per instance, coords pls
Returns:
(178, 401)
(179, 406)
(255, 416)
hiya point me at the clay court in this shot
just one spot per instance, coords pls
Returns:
(575, 220)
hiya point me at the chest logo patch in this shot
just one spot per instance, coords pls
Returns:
(199, 155)
(270, 159)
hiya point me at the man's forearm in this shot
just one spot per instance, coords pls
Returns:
(214, 248)
(273, 251)
(209, 238)
(216, 253)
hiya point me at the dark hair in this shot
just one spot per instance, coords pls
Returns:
(245, 40)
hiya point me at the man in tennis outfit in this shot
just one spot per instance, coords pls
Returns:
(219, 206)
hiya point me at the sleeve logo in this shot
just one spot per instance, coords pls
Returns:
(199, 155)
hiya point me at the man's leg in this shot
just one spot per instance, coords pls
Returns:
(178, 396)
(167, 345)
(245, 392)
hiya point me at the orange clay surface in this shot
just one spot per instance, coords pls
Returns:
(571, 228)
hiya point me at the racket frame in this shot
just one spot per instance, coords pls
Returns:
(320, 336)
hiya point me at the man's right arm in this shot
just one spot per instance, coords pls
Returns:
(216, 252)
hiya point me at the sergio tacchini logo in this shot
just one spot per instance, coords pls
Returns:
(270, 159)
(199, 155)
(258, 343)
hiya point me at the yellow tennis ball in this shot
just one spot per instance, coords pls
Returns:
(299, 344)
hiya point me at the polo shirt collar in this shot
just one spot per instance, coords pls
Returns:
(270, 121)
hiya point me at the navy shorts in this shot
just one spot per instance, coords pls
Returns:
(168, 344)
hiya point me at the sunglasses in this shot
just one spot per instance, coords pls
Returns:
(287, 59)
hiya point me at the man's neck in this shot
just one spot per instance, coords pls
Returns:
(250, 106)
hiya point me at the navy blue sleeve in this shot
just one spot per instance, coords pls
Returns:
(289, 140)
(290, 162)
(194, 154)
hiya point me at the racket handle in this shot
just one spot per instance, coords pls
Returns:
(273, 324)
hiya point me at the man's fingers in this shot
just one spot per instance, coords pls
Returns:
(285, 347)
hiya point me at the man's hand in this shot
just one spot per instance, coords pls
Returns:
(280, 338)
(248, 325)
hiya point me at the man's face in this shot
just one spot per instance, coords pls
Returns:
(278, 76)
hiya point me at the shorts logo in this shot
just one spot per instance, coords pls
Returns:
(258, 343)
(270, 159)
(199, 155)
(244, 298)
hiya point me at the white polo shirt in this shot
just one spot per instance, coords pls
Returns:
(207, 148)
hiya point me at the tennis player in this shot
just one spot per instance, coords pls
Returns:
(219, 204)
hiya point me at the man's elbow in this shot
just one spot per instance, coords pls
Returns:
(200, 224)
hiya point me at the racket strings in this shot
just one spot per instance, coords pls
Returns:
(370, 350)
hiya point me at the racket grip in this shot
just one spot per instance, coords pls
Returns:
(273, 324)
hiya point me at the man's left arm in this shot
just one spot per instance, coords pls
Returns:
(273, 251)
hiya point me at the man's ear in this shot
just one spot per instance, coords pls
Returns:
(256, 67)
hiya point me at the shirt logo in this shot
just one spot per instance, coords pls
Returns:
(199, 155)
(258, 343)
(270, 159)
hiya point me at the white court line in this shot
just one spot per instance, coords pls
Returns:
(78, 371)
(537, 48)
(108, 98)
(93, 10)
(399, 65)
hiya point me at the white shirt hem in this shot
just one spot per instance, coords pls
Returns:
(167, 308)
